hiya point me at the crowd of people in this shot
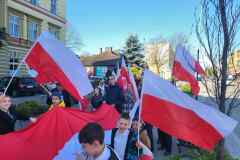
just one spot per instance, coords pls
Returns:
(124, 141)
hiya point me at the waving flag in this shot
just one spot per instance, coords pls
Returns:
(177, 114)
(185, 67)
(43, 139)
(53, 62)
(126, 79)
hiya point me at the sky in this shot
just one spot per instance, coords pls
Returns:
(108, 23)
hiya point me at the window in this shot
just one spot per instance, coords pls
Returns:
(54, 30)
(32, 31)
(14, 26)
(13, 61)
(54, 6)
(34, 2)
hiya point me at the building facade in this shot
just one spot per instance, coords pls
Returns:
(234, 64)
(159, 57)
(21, 22)
(98, 64)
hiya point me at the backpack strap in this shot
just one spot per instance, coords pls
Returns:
(128, 145)
(113, 155)
(114, 131)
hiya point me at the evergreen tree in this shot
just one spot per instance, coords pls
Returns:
(133, 51)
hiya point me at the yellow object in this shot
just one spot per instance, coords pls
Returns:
(136, 72)
(62, 105)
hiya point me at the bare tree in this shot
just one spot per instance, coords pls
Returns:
(73, 39)
(178, 38)
(161, 51)
(217, 26)
(158, 52)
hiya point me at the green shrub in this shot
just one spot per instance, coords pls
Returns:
(30, 109)
(196, 154)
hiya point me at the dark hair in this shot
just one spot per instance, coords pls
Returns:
(90, 133)
(125, 116)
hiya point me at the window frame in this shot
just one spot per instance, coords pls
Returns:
(14, 28)
(54, 7)
(32, 30)
(13, 61)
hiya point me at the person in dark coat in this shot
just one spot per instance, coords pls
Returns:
(8, 115)
(113, 95)
(97, 98)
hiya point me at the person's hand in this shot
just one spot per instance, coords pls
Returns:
(104, 102)
(32, 119)
(114, 105)
(139, 145)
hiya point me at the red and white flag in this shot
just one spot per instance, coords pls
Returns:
(185, 67)
(126, 80)
(177, 114)
(44, 139)
(53, 62)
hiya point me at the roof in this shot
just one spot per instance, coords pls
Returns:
(100, 59)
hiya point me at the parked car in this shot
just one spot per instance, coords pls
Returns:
(20, 86)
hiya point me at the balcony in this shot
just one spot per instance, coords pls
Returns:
(9, 40)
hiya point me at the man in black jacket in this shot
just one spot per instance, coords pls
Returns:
(114, 95)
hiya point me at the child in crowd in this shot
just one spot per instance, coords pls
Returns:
(9, 115)
(124, 140)
(91, 138)
(144, 138)
(57, 100)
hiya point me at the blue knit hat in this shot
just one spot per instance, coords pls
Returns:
(57, 94)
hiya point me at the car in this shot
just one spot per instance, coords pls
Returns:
(20, 86)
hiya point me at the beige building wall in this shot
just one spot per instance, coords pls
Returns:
(234, 63)
(40, 14)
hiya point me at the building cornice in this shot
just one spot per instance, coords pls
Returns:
(41, 10)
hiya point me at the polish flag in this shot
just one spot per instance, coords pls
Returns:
(126, 79)
(53, 62)
(185, 67)
(123, 76)
(44, 139)
(177, 114)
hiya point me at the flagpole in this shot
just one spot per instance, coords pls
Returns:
(140, 110)
(197, 72)
(13, 75)
(15, 72)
